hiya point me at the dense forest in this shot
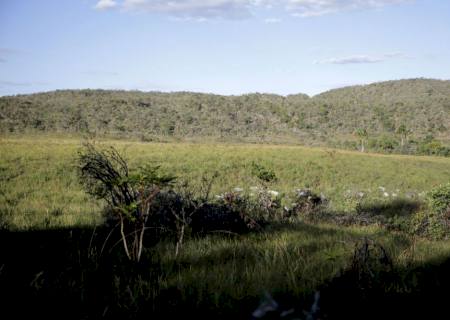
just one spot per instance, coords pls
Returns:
(408, 116)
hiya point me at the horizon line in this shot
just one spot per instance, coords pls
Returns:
(220, 94)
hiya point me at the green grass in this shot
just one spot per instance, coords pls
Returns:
(219, 274)
(39, 185)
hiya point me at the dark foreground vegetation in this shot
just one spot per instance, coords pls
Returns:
(406, 116)
(173, 251)
(66, 274)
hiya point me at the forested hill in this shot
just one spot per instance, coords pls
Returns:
(330, 118)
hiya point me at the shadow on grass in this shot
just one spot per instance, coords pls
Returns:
(397, 207)
(416, 292)
(61, 273)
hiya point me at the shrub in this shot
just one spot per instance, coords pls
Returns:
(384, 143)
(254, 210)
(308, 205)
(105, 175)
(434, 222)
(439, 198)
(429, 224)
(264, 174)
(430, 146)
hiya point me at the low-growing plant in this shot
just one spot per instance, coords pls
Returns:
(104, 173)
(429, 224)
(434, 222)
(439, 198)
(308, 205)
(264, 174)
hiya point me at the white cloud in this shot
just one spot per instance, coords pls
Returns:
(351, 60)
(229, 9)
(100, 73)
(397, 55)
(105, 4)
(357, 59)
(272, 20)
(239, 9)
(312, 8)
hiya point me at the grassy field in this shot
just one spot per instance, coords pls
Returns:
(39, 184)
(53, 241)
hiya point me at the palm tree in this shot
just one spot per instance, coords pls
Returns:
(403, 132)
(362, 135)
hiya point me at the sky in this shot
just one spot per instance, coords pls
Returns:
(220, 46)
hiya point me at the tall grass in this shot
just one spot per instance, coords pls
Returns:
(39, 185)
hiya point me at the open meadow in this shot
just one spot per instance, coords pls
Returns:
(40, 186)
(60, 256)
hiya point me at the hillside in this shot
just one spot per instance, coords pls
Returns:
(422, 105)
(330, 118)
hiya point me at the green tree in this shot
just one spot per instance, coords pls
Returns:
(362, 135)
(403, 132)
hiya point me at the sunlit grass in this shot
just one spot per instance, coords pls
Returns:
(39, 183)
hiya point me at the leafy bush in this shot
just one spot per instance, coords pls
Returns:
(439, 198)
(264, 174)
(432, 147)
(429, 224)
(308, 205)
(434, 222)
(384, 143)
(105, 175)
(260, 207)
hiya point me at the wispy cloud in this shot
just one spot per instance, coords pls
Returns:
(351, 60)
(272, 20)
(208, 9)
(7, 83)
(239, 9)
(314, 8)
(4, 83)
(7, 52)
(146, 86)
(100, 73)
(105, 4)
(357, 59)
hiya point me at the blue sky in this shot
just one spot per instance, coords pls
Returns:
(220, 46)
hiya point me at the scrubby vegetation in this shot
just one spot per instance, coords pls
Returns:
(243, 231)
(406, 116)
